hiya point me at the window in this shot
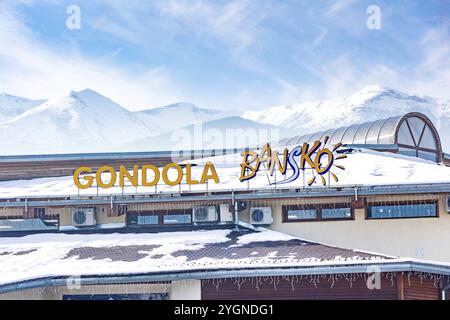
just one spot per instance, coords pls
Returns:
(301, 214)
(416, 139)
(428, 155)
(143, 220)
(399, 210)
(336, 213)
(159, 217)
(322, 212)
(182, 218)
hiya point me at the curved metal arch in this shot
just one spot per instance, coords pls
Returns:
(427, 123)
(390, 125)
(395, 122)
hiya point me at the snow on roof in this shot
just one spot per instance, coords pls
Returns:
(62, 255)
(362, 167)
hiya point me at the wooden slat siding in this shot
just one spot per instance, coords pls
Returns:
(303, 290)
(416, 289)
(38, 169)
(400, 287)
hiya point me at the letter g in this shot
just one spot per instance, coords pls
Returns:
(76, 177)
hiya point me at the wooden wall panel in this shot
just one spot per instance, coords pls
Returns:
(420, 289)
(287, 288)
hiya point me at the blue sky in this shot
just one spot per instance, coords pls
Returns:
(223, 54)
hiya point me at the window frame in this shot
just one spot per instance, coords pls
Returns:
(160, 214)
(318, 208)
(177, 213)
(393, 203)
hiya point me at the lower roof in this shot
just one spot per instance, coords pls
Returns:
(114, 256)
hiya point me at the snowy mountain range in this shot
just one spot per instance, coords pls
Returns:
(370, 103)
(86, 121)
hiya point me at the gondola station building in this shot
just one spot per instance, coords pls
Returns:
(361, 212)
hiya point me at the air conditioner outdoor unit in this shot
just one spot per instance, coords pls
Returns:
(83, 217)
(262, 215)
(448, 204)
(225, 214)
(205, 214)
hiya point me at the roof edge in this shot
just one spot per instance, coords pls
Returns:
(401, 265)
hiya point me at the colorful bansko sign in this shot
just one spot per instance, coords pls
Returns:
(315, 157)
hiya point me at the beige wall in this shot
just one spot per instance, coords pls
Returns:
(102, 216)
(188, 290)
(422, 238)
(11, 212)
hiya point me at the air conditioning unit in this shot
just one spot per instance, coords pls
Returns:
(262, 215)
(205, 214)
(83, 217)
(448, 204)
(225, 214)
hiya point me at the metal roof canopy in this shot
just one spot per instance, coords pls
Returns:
(356, 190)
(115, 155)
(413, 134)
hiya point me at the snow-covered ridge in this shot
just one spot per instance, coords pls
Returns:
(178, 115)
(86, 121)
(12, 106)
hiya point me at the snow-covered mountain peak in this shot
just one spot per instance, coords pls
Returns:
(186, 107)
(372, 93)
(12, 106)
(370, 103)
(74, 122)
(93, 99)
(183, 105)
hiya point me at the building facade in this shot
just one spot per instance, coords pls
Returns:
(387, 209)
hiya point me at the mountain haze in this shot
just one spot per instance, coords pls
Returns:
(225, 133)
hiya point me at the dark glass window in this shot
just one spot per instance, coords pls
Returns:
(182, 218)
(301, 214)
(402, 211)
(159, 217)
(428, 155)
(407, 151)
(336, 213)
(146, 220)
(319, 212)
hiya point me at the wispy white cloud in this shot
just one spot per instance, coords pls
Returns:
(270, 52)
(235, 22)
(339, 5)
(31, 69)
(431, 76)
